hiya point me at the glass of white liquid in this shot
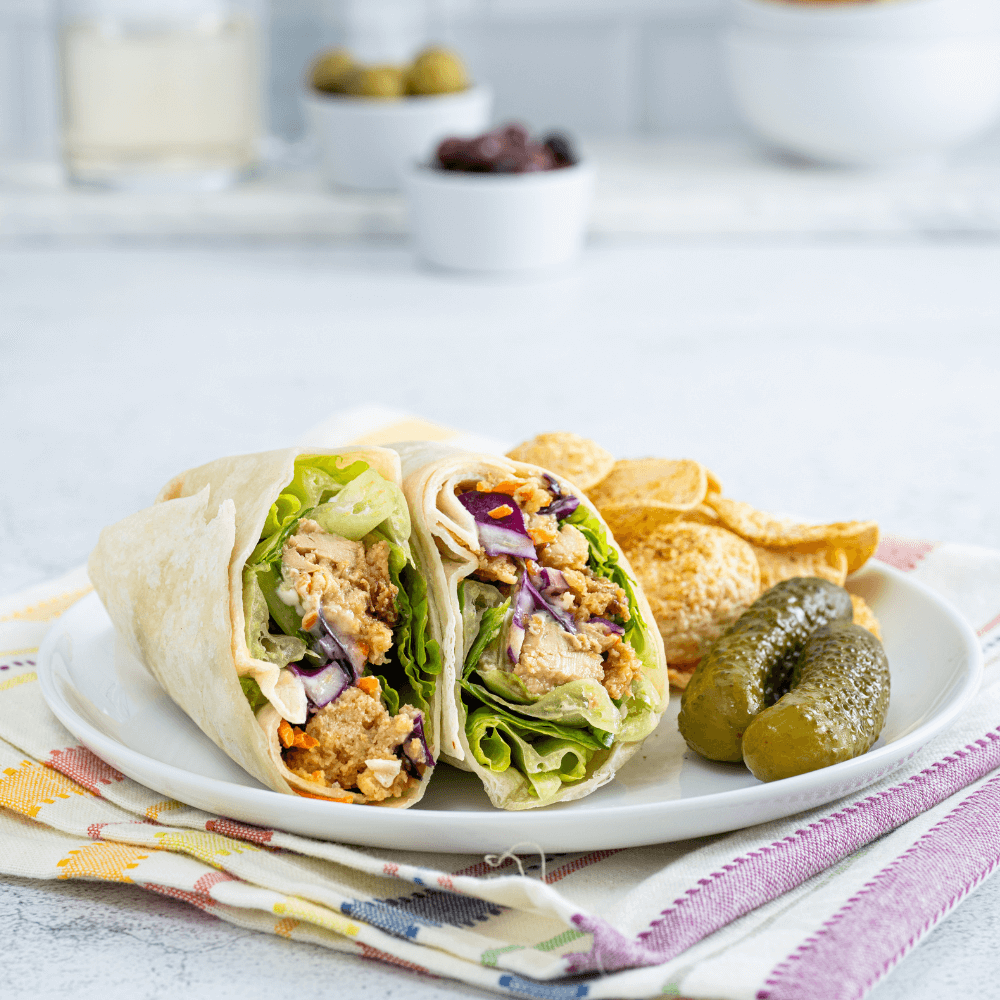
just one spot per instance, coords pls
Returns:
(160, 94)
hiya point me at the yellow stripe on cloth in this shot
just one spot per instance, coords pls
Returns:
(285, 927)
(27, 788)
(204, 846)
(48, 609)
(19, 679)
(293, 906)
(153, 812)
(104, 860)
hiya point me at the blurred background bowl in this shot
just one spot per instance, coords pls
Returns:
(499, 222)
(900, 19)
(365, 142)
(866, 85)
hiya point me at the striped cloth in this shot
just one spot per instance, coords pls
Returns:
(782, 910)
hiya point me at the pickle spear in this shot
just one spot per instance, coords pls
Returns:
(749, 667)
(834, 711)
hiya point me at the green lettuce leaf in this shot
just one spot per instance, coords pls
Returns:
(547, 763)
(604, 563)
(416, 657)
(583, 702)
(492, 624)
(367, 502)
(542, 727)
(641, 718)
(253, 693)
(474, 598)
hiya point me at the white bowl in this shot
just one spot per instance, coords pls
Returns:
(499, 222)
(865, 102)
(901, 19)
(366, 143)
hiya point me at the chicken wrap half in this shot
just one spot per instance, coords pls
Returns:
(275, 597)
(553, 667)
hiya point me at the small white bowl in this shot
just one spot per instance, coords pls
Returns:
(865, 102)
(499, 222)
(365, 143)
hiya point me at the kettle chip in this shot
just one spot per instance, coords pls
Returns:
(583, 462)
(858, 539)
(698, 580)
(783, 564)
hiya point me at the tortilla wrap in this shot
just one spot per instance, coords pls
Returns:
(171, 579)
(445, 533)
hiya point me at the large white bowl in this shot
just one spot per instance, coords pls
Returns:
(499, 222)
(901, 19)
(865, 101)
(365, 143)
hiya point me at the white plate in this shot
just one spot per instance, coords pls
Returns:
(666, 792)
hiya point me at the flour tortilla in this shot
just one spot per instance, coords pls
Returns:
(444, 532)
(171, 579)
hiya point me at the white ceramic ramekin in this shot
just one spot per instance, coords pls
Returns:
(366, 143)
(866, 85)
(499, 222)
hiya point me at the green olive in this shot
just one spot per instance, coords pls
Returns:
(330, 71)
(383, 82)
(436, 71)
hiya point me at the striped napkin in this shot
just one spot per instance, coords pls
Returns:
(820, 905)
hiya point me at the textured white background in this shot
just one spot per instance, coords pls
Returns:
(839, 380)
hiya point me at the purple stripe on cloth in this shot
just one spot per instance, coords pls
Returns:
(761, 876)
(878, 926)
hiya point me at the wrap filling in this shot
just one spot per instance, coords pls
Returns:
(331, 594)
(554, 644)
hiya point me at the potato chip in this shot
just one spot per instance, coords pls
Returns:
(698, 580)
(865, 617)
(680, 483)
(584, 463)
(680, 675)
(858, 539)
(636, 519)
(783, 564)
(702, 514)
(714, 485)
(639, 495)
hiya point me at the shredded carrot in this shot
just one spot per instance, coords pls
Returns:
(541, 536)
(304, 740)
(324, 798)
(370, 686)
(504, 510)
(508, 486)
(285, 733)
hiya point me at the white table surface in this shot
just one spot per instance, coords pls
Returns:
(839, 380)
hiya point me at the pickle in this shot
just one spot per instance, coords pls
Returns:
(750, 666)
(833, 712)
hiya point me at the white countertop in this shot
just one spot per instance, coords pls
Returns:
(644, 187)
(837, 379)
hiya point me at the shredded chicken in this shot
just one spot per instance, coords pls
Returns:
(596, 597)
(569, 550)
(500, 569)
(551, 656)
(621, 666)
(351, 584)
(356, 747)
